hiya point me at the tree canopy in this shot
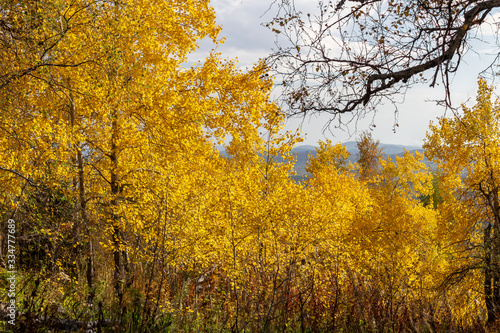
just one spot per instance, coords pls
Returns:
(126, 217)
(350, 56)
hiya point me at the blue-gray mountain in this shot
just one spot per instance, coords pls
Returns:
(391, 150)
(302, 152)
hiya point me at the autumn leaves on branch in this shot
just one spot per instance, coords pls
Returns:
(108, 165)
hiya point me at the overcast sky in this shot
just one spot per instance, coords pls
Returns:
(247, 40)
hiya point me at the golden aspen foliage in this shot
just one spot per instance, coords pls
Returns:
(338, 200)
(466, 148)
(130, 137)
(128, 211)
(398, 235)
(373, 231)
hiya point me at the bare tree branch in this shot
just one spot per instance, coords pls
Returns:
(352, 55)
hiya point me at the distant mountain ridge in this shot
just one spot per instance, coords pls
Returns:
(391, 150)
(302, 154)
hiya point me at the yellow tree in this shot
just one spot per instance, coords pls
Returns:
(32, 35)
(248, 211)
(467, 150)
(398, 234)
(369, 156)
(379, 230)
(133, 130)
(336, 202)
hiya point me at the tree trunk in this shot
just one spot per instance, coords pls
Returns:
(119, 272)
(86, 223)
(495, 254)
(83, 207)
(491, 278)
(122, 277)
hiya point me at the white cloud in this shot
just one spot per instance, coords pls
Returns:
(248, 40)
(225, 7)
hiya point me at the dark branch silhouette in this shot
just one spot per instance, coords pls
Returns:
(353, 55)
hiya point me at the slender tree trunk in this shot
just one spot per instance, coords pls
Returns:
(495, 274)
(495, 254)
(119, 272)
(488, 275)
(83, 208)
(86, 222)
(122, 274)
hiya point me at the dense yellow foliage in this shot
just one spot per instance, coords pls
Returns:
(108, 165)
